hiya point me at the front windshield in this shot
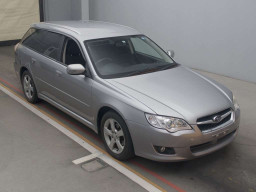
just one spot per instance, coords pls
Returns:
(127, 56)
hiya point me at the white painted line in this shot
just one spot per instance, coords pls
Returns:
(132, 176)
(86, 158)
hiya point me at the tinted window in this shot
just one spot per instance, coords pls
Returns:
(28, 33)
(46, 43)
(73, 54)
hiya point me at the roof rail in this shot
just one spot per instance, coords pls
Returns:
(64, 27)
(108, 23)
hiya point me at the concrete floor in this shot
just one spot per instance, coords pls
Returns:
(36, 157)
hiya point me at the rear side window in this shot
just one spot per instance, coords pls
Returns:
(46, 43)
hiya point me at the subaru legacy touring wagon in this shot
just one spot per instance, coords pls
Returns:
(122, 85)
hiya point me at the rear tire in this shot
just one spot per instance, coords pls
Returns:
(116, 136)
(29, 87)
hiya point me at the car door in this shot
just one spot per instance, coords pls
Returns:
(73, 91)
(43, 53)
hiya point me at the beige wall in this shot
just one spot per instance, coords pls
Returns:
(16, 16)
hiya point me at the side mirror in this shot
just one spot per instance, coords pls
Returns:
(75, 69)
(171, 53)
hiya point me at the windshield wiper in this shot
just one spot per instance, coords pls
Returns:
(136, 73)
(149, 70)
(164, 67)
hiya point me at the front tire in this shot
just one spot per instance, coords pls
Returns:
(29, 87)
(116, 136)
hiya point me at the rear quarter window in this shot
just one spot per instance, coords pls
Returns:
(27, 34)
(45, 42)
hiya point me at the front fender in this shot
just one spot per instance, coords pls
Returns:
(126, 106)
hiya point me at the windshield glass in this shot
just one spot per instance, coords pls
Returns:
(126, 56)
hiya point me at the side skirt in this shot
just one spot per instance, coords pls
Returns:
(69, 112)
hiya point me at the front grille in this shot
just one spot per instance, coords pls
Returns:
(206, 124)
(206, 127)
(205, 146)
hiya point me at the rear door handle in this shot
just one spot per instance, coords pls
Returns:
(58, 73)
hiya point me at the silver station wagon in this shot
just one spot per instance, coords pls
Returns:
(122, 85)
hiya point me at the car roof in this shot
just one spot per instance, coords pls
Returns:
(86, 30)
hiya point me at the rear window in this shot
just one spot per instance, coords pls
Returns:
(45, 42)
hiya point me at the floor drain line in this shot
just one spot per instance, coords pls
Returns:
(91, 163)
(94, 165)
(86, 158)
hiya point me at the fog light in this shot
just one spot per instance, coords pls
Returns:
(164, 150)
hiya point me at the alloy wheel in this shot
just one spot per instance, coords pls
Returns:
(114, 136)
(28, 86)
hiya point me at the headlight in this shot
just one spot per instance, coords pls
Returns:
(235, 103)
(171, 124)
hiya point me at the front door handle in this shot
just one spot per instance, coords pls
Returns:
(33, 61)
(58, 73)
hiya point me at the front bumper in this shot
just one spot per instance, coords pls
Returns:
(187, 144)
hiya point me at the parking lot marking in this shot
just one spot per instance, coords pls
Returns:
(157, 176)
(10, 85)
(88, 145)
(86, 158)
(90, 133)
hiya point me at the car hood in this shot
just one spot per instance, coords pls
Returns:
(178, 92)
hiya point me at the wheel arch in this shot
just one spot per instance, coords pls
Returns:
(22, 69)
(103, 110)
